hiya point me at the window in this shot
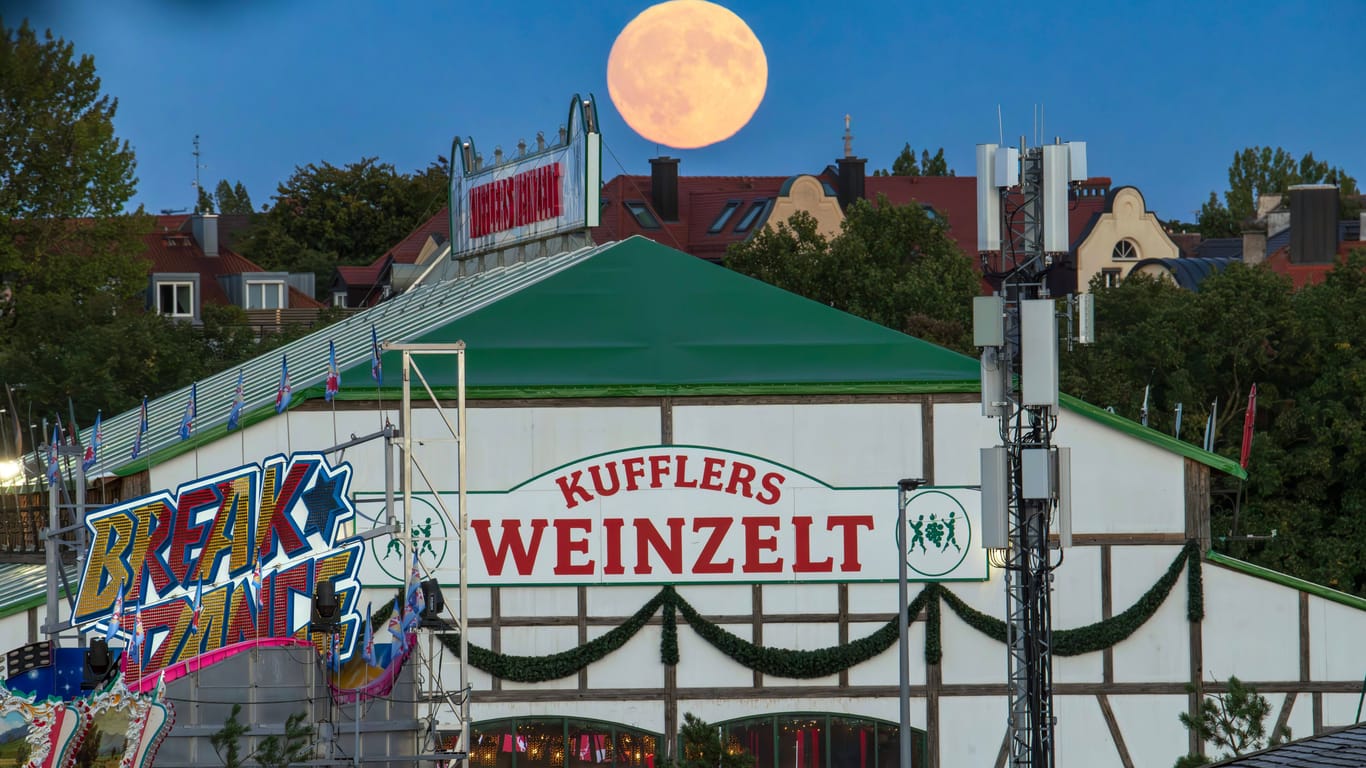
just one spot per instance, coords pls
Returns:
(558, 742)
(751, 216)
(1109, 278)
(261, 295)
(723, 217)
(644, 217)
(175, 299)
(1126, 250)
(339, 299)
(820, 740)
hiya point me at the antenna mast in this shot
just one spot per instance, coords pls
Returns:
(198, 190)
(1022, 232)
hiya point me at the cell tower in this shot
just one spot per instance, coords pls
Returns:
(1022, 233)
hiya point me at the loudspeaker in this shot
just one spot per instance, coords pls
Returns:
(434, 602)
(30, 657)
(99, 664)
(326, 609)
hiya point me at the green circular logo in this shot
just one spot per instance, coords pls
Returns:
(429, 533)
(938, 533)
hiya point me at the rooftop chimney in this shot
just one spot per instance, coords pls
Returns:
(852, 170)
(205, 227)
(1313, 223)
(664, 187)
(1254, 243)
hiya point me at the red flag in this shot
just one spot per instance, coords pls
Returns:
(1247, 426)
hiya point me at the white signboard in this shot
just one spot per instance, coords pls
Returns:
(670, 514)
(548, 191)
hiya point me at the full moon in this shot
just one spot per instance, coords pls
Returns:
(687, 73)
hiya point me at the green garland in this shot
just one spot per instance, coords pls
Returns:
(1106, 632)
(788, 663)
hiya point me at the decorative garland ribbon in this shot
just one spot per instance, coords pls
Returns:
(784, 662)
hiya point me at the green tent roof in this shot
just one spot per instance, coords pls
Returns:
(642, 318)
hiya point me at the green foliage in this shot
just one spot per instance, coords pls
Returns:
(905, 164)
(894, 265)
(295, 746)
(806, 664)
(324, 216)
(1257, 171)
(232, 198)
(702, 746)
(1234, 721)
(1308, 462)
(204, 203)
(227, 741)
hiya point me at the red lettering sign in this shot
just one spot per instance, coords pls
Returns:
(517, 201)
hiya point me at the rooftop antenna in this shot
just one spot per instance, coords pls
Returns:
(197, 166)
(1000, 124)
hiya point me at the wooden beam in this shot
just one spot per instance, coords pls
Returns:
(934, 678)
(927, 439)
(1107, 659)
(1115, 735)
(1283, 718)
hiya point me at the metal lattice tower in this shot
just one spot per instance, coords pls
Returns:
(1028, 564)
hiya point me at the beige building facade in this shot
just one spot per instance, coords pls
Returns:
(1123, 234)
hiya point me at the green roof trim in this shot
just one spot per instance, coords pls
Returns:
(1160, 439)
(1286, 580)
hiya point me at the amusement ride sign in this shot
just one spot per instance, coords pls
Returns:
(551, 190)
(224, 560)
(691, 514)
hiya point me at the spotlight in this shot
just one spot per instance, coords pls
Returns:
(326, 609)
(433, 601)
(99, 664)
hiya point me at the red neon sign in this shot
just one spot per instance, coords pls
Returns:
(525, 198)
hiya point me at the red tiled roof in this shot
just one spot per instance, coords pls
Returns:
(406, 250)
(700, 200)
(1308, 274)
(169, 249)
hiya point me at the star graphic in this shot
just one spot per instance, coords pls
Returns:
(325, 505)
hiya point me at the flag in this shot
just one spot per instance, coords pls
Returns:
(53, 469)
(139, 635)
(284, 392)
(116, 618)
(1209, 425)
(92, 451)
(376, 370)
(187, 420)
(416, 600)
(368, 650)
(1143, 414)
(396, 627)
(142, 428)
(238, 399)
(159, 693)
(1178, 421)
(254, 583)
(198, 605)
(1247, 426)
(333, 375)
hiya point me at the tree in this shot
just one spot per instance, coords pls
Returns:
(702, 746)
(1258, 171)
(1233, 721)
(70, 260)
(294, 746)
(905, 164)
(324, 216)
(204, 203)
(894, 265)
(1216, 220)
(227, 741)
(232, 198)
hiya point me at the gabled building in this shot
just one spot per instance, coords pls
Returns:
(189, 267)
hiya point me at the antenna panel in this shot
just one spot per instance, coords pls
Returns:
(988, 201)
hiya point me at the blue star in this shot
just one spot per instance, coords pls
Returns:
(325, 505)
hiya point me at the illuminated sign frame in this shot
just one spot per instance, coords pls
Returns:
(550, 191)
(248, 545)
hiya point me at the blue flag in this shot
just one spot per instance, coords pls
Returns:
(368, 650)
(238, 399)
(284, 393)
(187, 421)
(142, 429)
(53, 468)
(92, 451)
(333, 375)
(376, 371)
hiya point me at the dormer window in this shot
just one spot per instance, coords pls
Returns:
(723, 217)
(175, 299)
(751, 216)
(265, 295)
(644, 217)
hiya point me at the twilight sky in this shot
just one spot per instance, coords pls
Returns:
(1163, 92)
